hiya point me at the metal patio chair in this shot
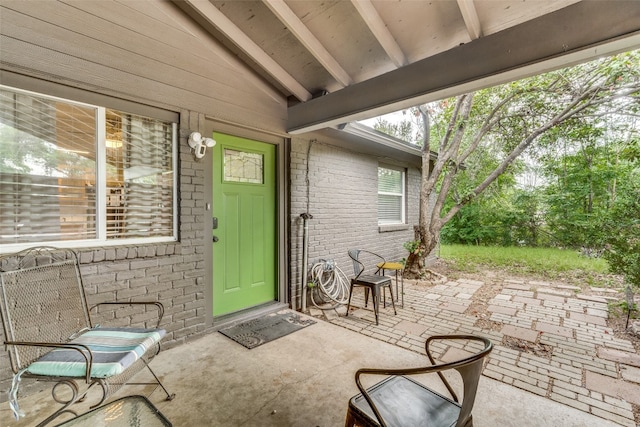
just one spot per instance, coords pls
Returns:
(371, 282)
(50, 336)
(400, 401)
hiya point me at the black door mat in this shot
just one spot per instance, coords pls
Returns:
(255, 332)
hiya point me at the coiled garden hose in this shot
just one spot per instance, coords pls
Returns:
(328, 283)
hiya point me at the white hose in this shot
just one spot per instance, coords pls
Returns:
(330, 282)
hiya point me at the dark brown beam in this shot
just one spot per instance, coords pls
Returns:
(566, 31)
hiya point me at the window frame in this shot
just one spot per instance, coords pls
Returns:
(403, 196)
(101, 181)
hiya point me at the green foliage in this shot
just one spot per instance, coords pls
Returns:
(547, 262)
(24, 153)
(584, 171)
(622, 228)
(626, 307)
(509, 217)
(467, 228)
(406, 129)
(578, 130)
(576, 149)
(412, 246)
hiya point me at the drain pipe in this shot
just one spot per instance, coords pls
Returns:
(305, 257)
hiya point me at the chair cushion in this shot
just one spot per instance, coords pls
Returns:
(390, 265)
(404, 402)
(113, 349)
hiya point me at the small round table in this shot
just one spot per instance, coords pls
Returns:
(397, 267)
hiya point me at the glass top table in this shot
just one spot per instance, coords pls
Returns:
(129, 411)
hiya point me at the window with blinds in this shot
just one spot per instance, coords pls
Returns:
(73, 172)
(391, 195)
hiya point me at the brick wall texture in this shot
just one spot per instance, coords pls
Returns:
(342, 197)
(172, 273)
(339, 188)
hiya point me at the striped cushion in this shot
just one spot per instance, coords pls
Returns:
(113, 349)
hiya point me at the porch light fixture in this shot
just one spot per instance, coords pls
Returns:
(200, 144)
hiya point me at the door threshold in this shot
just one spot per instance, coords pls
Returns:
(231, 319)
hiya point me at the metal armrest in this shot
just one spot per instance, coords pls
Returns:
(392, 372)
(362, 267)
(375, 255)
(81, 348)
(435, 368)
(488, 345)
(156, 303)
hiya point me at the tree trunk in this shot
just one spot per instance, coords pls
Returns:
(416, 261)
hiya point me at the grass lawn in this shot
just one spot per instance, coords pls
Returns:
(545, 262)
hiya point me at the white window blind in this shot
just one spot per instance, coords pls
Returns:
(59, 158)
(139, 177)
(391, 198)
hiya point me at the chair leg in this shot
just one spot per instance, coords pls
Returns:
(73, 389)
(170, 396)
(349, 303)
(376, 301)
(384, 298)
(366, 297)
(397, 293)
(392, 301)
(350, 420)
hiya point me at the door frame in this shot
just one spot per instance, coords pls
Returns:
(282, 144)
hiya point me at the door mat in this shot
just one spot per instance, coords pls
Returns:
(253, 333)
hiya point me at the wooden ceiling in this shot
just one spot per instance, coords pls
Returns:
(343, 60)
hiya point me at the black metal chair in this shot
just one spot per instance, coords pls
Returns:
(401, 401)
(371, 282)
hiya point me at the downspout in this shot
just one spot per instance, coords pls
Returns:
(305, 257)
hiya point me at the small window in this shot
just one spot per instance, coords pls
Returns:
(241, 166)
(80, 173)
(391, 195)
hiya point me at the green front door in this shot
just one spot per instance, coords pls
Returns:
(244, 204)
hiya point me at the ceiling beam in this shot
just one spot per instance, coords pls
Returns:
(577, 33)
(471, 20)
(380, 31)
(309, 41)
(211, 16)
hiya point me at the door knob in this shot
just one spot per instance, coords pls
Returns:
(215, 239)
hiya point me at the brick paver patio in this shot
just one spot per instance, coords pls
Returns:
(549, 339)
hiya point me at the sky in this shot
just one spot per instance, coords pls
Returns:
(394, 117)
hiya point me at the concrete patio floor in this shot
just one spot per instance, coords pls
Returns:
(550, 339)
(303, 379)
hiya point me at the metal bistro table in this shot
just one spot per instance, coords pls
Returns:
(129, 411)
